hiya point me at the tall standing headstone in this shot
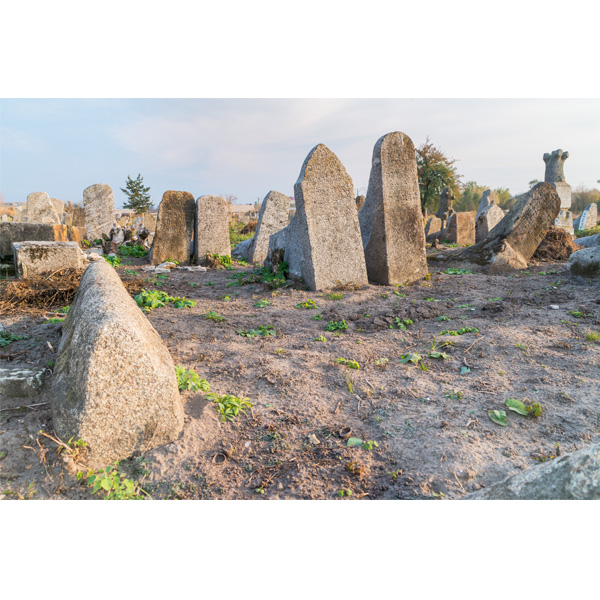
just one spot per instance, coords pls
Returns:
(99, 209)
(39, 209)
(212, 227)
(555, 175)
(322, 245)
(588, 218)
(78, 216)
(391, 221)
(174, 228)
(272, 218)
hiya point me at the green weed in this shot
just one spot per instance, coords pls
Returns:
(188, 379)
(337, 326)
(261, 330)
(348, 363)
(211, 315)
(228, 406)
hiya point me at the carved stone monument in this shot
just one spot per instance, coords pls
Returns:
(588, 218)
(555, 175)
(445, 209)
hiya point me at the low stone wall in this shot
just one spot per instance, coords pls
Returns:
(36, 232)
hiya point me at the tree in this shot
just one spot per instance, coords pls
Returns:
(582, 196)
(138, 196)
(436, 171)
(533, 183)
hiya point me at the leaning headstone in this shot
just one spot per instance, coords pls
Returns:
(39, 209)
(174, 229)
(212, 227)
(555, 175)
(587, 219)
(272, 218)
(37, 258)
(573, 476)
(511, 244)
(322, 245)
(99, 209)
(489, 214)
(114, 383)
(445, 209)
(585, 263)
(24, 232)
(391, 221)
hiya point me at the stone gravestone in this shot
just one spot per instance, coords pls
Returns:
(59, 207)
(99, 210)
(174, 228)
(322, 245)
(511, 244)
(391, 221)
(24, 232)
(588, 218)
(555, 175)
(78, 216)
(39, 209)
(445, 208)
(272, 218)
(489, 214)
(433, 226)
(114, 382)
(37, 258)
(212, 228)
(460, 229)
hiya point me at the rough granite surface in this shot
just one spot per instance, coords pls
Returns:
(37, 258)
(114, 382)
(585, 263)
(322, 245)
(391, 221)
(212, 227)
(40, 209)
(174, 228)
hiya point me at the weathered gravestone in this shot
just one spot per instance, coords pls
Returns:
(489, 214)
(511, 244)
(391, 221)
(99, 209)
(59, 207)
(174, 228)
(555, 175)
(322, 245)
(37, 258)
(588, 218)
(460, 229)
(573, 476)
(24, 232)
(39, 209)
(114, 383)
(272, 218)
(79, 217)
(445, 209)
(433, 226)
(212, 227)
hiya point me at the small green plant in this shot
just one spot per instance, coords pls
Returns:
(444, 318)
(318, 317)
(261, 330)
(431, 300)
(149, 300)
(320, 338)
(401, 323)
(137, 251)
(113, 261)
(369, 445)
(397, 293)
(228, 406)
(6, 338)
(337, 326)
(452, 271)
(344, 492)
(438, 355)
(188, 379)
(412, 357)
(211, 315)
(591, 336)
(262, 303)
(499, 417)
(461, 331)
(309, 304)
(113, 484)
(335, 296)
(349, 382)
(218, 259)
(454, 395)
(533, 410)
(54, 320)
(209, 283)
(64, 310)
(382, 362)
(348, 363)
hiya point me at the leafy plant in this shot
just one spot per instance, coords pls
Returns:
(209, 283)
(354, 441)
(335, 296)
(591, 336)
(577, 314)
(452, 271)
(6, 338)
(397, 293)
(348, 363)
(215, 259)
(149, 300)
(261, 330)
(344, 492)
(369, 445)
(113, 261)
(382, 362)
(228, 406)
(318, 317)
(461, 331)
(54, 320)
(401, 323)
(499, 417)
(137, 251)
(113, 484)
(534, 410)
(262, 303)
(264, 275)
(435, 354)
(309, 304)
(337, 326)
(320, 338)
(188, 379)
(64, 310)
(412, 357)
(444, 318)
(211, 315)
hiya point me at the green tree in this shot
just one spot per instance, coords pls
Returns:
(138, 196)
(582, 196)
(436, 171)
(470, 197)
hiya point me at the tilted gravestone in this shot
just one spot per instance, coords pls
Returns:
(322, 245)
(99, 209)
(114, 383)
(489, 214)
(212, 228)
(174, 228)
(511, 244)
(555, 175)
(391, 221)
(588, 218)
(272, 218)
(433, 226)
(40, 209)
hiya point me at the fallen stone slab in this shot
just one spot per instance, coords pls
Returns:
(114, 382)
(20, 385)
(391, 221)
(212, 228)
(174, 229)
(511, 244)
(37, 258)
(36, 232)
(573, 476)
(273, 217)
(322, 245)
(585, 263)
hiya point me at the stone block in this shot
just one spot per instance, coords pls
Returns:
(20, 386)
(37, 232)
(99, 210)
(212, 227)
(37, 258)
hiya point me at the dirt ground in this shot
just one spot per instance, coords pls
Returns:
(434, 438)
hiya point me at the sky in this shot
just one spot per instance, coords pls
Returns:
(247, 147)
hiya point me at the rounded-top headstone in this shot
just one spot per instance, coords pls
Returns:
(40, 209)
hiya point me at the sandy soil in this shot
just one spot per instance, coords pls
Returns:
(434, 437)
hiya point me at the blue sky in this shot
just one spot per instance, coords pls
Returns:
(246, 147)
